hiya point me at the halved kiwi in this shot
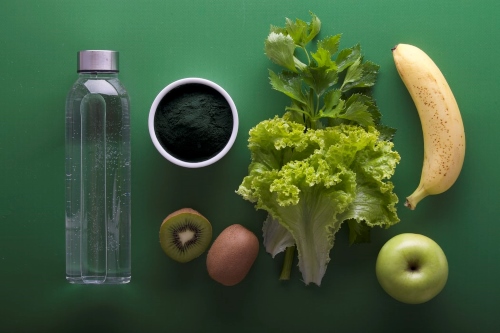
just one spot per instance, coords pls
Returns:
(185, 234)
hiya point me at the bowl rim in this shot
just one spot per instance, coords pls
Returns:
(163, 93)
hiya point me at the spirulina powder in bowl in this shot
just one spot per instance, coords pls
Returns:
(193, 122)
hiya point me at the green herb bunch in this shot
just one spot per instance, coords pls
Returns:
(328, 160)
(329, 88)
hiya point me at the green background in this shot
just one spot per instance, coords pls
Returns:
(161, 41)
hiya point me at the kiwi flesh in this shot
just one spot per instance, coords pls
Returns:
(185, 234)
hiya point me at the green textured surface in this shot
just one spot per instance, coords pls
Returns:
(161, 41)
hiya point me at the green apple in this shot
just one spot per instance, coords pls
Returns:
(412, 268)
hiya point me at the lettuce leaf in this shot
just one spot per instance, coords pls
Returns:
(310, 181)
(276, 237)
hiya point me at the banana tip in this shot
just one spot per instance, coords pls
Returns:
(395, 46)
(409, 204)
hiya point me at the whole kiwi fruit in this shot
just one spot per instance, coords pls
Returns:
(185, 234)
(232, 255)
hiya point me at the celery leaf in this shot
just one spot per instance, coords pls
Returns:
(280, 49)
(347, 57)
(290, 85)
(360, 75)
(331, 44)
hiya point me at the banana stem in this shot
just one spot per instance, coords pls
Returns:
(287, 263)
(416, 197)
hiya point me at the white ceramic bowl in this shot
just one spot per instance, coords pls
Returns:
(164, 152)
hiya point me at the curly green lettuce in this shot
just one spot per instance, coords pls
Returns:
(311, 181)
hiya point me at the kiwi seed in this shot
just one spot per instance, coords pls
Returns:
(185, 234)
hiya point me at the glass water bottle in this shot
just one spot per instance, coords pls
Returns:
(98, 173)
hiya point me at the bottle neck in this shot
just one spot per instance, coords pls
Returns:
(97, 75)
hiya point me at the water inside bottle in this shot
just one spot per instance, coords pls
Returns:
(98, 184)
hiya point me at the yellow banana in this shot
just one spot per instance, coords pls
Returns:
(442, 126)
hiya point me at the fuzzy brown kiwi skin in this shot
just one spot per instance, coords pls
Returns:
(181, 211)
(232, 254)
(178, 212)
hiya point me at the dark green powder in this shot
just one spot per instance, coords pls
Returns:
(193, 122)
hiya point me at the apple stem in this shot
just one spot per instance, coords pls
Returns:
(287, 263)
